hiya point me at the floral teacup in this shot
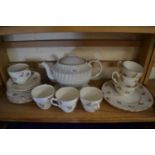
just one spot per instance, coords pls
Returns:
(66, 99)
(131, 69)
(42, 95)
(91, 98)
(19, 73)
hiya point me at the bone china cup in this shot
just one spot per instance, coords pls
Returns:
(131, 68)
(91, 98)
(19, 73)
(125, 81)
(125, 91)
(66, 99)
(42, 95)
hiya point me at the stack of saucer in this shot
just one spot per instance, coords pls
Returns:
(19, 86)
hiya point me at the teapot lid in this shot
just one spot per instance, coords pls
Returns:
(72, 60)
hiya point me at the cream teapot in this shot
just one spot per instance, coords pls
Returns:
(72, 71)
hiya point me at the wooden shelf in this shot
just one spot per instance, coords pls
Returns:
(107, 114)
(75, 43)
(106, 29)
(151, 86)
(31, 113)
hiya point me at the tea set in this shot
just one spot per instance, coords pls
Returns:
(124, 90)
(73, 74)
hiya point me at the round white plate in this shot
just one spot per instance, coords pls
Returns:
(33, 81)
(140, 100)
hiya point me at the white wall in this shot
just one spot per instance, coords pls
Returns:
(49, 53)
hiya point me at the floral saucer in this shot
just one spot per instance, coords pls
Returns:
(140, 100)
(33, 81)
(19, 100)
(20, 94)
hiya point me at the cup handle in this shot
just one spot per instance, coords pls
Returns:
(115, 77)
(100, 65)
(138, 75)
(52, 100)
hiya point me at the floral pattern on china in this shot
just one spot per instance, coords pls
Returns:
(29, 84)
(140, 100)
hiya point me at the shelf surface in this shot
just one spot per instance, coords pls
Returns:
(107, 114)
(6, 30)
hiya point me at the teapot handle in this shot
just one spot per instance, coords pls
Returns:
(100, 65)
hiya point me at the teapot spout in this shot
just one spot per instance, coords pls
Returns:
(48, 70)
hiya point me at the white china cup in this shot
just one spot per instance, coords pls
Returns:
(91, 98)
(123, 80)
(19, 73)
(125, 91)
(131, 68)
(42, 95)
(66, 99)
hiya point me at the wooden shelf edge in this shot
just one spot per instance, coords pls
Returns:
(76, 43)
(6, 30)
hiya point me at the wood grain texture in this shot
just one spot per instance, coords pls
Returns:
(31, 113)
(6, 30)
(75, 43)
(145, 55)
(151, 86)
(3, 62)
(149, 58)
(1, 86)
